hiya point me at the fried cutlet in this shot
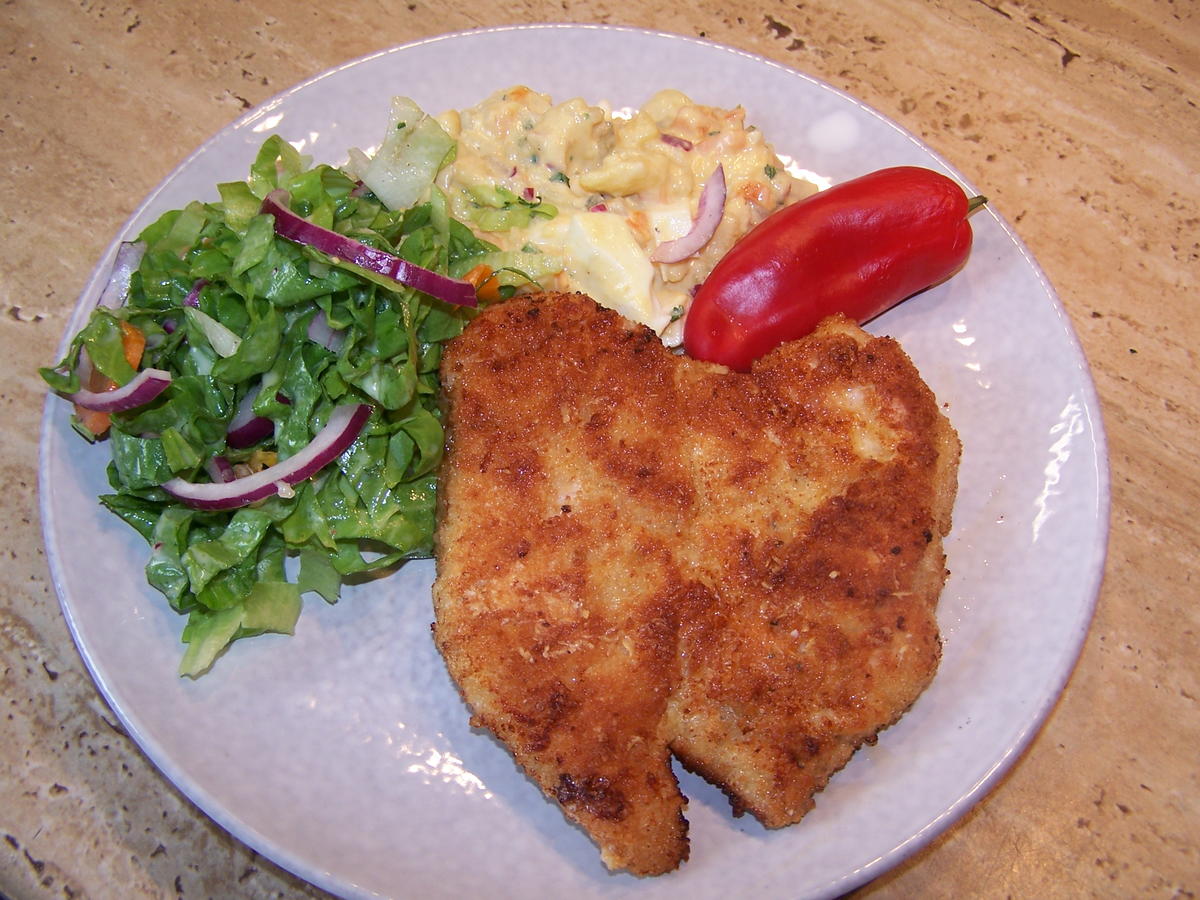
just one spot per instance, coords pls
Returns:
(642, 556)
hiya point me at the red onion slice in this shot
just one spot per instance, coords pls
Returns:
(321, 332)
(128, 258)
(193, 296)
(676, 141)
(84, 368)
(219, 470)
(294, 228)
(142, 388)
(245, 428)
(708, 217)
(344, 425)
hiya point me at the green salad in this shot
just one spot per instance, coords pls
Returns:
(235, 352)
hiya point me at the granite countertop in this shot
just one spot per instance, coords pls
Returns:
(1081, 119)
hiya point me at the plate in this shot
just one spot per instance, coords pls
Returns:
(344, 754)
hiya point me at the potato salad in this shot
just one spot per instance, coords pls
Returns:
(588, 198)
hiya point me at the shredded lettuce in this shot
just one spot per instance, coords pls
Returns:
(245, 333)
(415, 148)
(496, 208)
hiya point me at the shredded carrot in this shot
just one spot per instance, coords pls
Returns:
(754, 192)
(133, 342)
(487, 285)
(640, 223)
(95, 422)
(478, 275)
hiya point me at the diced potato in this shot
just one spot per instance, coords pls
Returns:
(571, 137)
(627, 172)
(606, 262)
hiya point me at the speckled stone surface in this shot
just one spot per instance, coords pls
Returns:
(1080, 118)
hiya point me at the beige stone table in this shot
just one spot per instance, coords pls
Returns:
(1080, 117)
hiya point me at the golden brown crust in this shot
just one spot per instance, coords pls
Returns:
(640, 555)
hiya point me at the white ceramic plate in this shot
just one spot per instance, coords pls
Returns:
(344, 754)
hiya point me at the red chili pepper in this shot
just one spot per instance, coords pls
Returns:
(857, 248)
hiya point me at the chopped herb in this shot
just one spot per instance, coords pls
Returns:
(770, 171)
(561, 176)
(676, 313)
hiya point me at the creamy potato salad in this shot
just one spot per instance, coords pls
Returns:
(620, 183)
(580, 196)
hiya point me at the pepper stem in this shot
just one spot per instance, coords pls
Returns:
(975, 202)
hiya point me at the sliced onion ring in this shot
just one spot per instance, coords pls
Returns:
(245, 428)
(128, 258)
(321, 332)
(193, 296)
(294, 228)
(344, 425)
(219, 469)
(708, 217)
(141, 389)
(676, 141)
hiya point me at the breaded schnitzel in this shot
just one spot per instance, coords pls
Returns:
(641, 555)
